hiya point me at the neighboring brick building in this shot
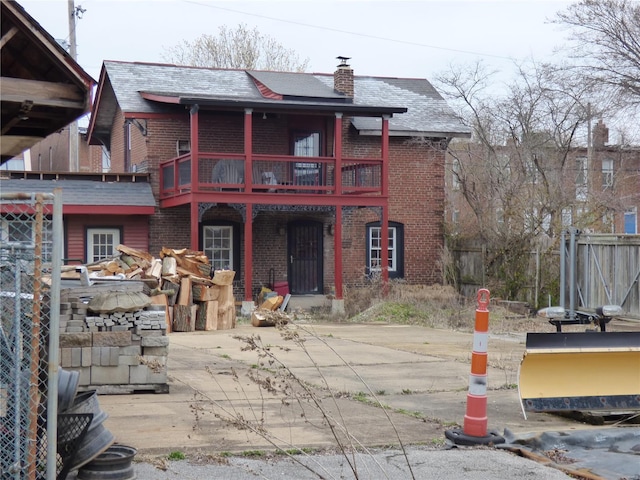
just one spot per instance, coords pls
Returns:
(293, 131)
(597, 189)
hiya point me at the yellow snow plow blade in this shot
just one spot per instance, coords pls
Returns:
(580, 371)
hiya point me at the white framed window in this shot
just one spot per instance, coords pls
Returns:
(17, 230)
(607, 173)
(217, 241)
(456, 172)
(455, 216)
(375, 249)
(102, 243)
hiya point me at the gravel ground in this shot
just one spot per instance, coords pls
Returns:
(453, 464)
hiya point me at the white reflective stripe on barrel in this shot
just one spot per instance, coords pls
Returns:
(480, 342)
(478, 385)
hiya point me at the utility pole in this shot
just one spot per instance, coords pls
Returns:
(74, 165)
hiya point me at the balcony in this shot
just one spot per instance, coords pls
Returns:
(224, 174)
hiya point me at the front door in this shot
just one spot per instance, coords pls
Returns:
(305, 257)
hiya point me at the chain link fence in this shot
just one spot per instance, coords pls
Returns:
(30, 257)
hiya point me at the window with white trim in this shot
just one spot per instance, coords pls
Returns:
(16, 230)
(375, 249)
(217, 241)
(607, 173)
(456, 173)
(102, 243)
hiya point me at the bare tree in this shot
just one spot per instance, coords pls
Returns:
(242, 48)
(517, 175)
(605, 41)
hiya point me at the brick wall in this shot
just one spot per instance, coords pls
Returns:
(416, 193)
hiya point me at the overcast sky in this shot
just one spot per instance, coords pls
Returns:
(385, 38)
(419, 38)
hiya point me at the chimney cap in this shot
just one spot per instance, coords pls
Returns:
(343, 61)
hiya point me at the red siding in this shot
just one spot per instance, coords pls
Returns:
(135, 232)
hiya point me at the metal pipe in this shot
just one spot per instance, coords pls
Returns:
(572, 275)
(17, 466)
(54, 333)
(563, 259)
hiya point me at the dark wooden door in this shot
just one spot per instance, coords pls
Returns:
(305, 257)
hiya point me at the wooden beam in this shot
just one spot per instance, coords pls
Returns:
(41, 93)
(8, 36)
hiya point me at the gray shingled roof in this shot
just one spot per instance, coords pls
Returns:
(428, 113)
(86, 192)
(297, 85)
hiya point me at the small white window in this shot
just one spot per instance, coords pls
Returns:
(102, 243)
(455, 174)
(16, 230)
(218, 246)
(607, 173)
(375, 249)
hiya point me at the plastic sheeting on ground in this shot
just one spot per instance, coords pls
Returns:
(603, 453)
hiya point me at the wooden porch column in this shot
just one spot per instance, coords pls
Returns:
(337, 181)
(194, 176)
(248, 253)
(337, 256)
(248, 150)
(384, 224)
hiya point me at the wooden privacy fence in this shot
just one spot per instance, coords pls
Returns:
(607, 271)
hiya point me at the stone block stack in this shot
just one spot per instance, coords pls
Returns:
(115, 352)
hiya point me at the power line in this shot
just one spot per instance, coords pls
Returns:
(347, 32)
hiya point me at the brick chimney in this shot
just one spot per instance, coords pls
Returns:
(343, 78)
(600, 134)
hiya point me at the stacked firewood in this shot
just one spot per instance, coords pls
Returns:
(181, 280)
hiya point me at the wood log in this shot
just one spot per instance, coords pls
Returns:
(135, 253)
(267, 318)
(113, 266)
(185, 297)
(204, 293)
(137, 271)
(169, 266)
(223, 277)
(226, 307)
(272, 303)
(182, 318)
(192, 318)
(155, 270)
(129, 260)
(207, 317)
(168, 285)
(205, 270)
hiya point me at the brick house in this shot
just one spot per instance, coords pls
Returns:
(196, 132)
(599, 188)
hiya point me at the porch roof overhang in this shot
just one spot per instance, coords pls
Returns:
(88, 197)
(226, 103)
(414, 133)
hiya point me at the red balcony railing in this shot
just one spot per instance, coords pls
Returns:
(269, 173)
